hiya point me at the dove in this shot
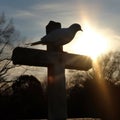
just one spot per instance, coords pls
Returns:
(60, 36)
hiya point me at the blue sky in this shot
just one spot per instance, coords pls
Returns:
(31, 16)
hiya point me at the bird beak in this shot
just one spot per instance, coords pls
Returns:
(81, 30)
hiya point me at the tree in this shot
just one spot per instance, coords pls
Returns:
(28, 98)
(110, 67)
(8, 36)
(100, 95)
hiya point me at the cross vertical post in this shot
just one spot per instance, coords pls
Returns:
(57, 106)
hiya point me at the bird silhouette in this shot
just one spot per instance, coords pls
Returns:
(60, 36)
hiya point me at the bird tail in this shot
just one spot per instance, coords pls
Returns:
(34, 43)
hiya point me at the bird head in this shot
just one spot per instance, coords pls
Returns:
(75, 27)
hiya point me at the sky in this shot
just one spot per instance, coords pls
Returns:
(31, 16)
(99, 20)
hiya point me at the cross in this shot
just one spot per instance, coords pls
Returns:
(56, 60)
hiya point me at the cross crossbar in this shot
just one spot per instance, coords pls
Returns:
(35, 57)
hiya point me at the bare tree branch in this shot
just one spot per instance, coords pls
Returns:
(7, 34)
(5, 44)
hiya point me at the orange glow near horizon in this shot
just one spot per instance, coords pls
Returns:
(89, 42)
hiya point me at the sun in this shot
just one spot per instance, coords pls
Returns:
(90, 42)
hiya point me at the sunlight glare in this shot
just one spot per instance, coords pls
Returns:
(89, 42)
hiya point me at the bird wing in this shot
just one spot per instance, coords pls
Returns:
(57, 37)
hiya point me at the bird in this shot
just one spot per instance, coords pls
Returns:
(59, 36)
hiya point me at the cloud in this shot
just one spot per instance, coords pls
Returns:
(37, 17)
(23, 14)
(47, 6)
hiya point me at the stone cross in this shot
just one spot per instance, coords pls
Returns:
(56, 60)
